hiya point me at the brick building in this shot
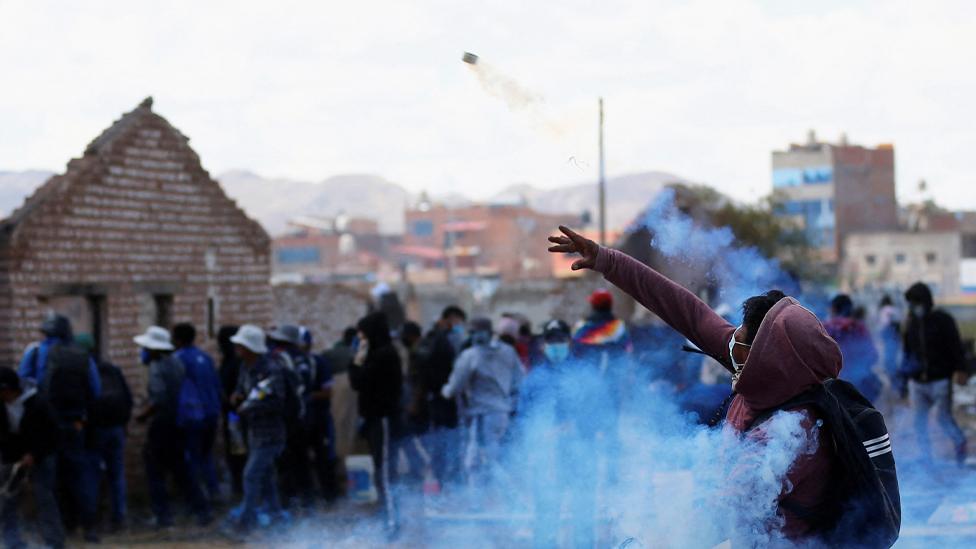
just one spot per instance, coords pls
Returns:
(500, 241)
(835, 189)
(894, 260)
(340, 249)
(134, 233)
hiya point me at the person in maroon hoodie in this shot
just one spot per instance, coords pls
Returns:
(780, 351)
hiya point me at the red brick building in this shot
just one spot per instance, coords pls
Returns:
(832, 190)
(507, 241)
(134, 233)
(337, 249)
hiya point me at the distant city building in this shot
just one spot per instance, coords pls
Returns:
(504, 242)
(892, 261)
(834, 189)
(929, 217)
(318, 249)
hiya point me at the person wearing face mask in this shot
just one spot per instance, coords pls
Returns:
(440, 348)
(932, 355)
(780, 351)
(485, 381)
(165, 447)
(561, 409)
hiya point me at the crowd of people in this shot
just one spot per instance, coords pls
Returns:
(444, 401)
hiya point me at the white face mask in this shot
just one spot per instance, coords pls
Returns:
(735, 365)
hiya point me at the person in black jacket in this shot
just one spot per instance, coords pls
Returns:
(28, 441)
(110, 417)
(376, 375)
(932, 354)
(440, 348)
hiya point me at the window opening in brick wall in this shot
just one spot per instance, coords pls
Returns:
(96, 308)
(899, 258)
(930, 257)
(869, 259)
(164, 310)
(211, 320)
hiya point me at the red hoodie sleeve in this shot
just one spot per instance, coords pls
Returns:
(675, 305)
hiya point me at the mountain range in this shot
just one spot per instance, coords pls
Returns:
(273, 201)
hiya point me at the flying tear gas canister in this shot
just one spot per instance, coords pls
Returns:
(469, 58)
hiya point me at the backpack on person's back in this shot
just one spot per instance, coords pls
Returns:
(294, 405)
(191, 412)
(865, 506)
(113, 407)
(66, 383)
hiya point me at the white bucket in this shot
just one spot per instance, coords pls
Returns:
(361, 486)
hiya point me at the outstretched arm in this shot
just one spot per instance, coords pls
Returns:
(675, 305)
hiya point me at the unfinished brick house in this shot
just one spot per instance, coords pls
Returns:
(134, 233)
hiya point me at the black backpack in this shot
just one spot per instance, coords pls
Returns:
(114, 404)
(864, 506)
(66, 384)
(294, 405)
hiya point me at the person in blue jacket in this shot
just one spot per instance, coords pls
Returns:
(200, 439)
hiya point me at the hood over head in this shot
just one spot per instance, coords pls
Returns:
(790, 354)
(376, 328)
(921, 294)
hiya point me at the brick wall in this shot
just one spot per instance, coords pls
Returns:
(325, 309)
(135, 228)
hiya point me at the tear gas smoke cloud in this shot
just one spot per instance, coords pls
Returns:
(740, 272)
(616, 455)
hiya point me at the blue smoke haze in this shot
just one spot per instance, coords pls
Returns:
(620, 458)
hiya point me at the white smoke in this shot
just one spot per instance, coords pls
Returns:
(519, 99)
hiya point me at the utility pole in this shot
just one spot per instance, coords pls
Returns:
(603, 185)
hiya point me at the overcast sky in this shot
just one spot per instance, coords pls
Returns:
(306, 90)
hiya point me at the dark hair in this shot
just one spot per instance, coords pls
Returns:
(348, 335)
(842, 305)
(224, 343)
(754, 311)
(9, 379)
(376, 328)
(886, 300)
(184, 333)
(921, 294)
(454, 310)
(411, 329)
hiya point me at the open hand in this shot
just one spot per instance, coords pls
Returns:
(574, 243)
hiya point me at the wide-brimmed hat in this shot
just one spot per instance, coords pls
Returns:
(251, 337)
(289, 333)
(156, 338)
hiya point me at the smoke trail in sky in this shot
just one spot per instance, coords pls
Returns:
(519, 98)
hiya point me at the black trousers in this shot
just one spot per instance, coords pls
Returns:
(380, 437)
(293, 468)
(321, 442)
